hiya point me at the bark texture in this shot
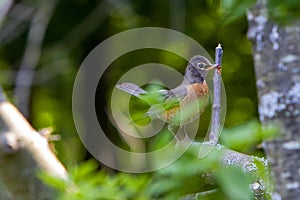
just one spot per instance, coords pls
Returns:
(23, 152)
(276, 53)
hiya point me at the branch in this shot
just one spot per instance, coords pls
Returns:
(252, 165)
(216, 109)
(23, 152)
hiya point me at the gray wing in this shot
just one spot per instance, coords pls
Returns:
(131, 88)
(177, 93)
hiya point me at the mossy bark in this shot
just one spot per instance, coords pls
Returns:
(276, 54)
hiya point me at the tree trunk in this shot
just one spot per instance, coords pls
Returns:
(276, 53)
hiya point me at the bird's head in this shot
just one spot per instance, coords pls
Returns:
(197, 69)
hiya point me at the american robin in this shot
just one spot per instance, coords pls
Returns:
(183, 104)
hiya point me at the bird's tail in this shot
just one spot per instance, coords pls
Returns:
(131, 88)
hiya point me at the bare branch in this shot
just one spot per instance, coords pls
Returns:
(216, 108)
(249, 164)
(23, 151)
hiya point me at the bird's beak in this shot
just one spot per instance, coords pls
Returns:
(211, 67)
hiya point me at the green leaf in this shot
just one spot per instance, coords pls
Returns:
(234, 9)
(84, 170)
(284, 11)
(53, 181)
(234, 183)
(246, 136)
(242, 137)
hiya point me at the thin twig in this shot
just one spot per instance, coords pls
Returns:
(216, 108)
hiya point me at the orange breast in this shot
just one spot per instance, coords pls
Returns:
(197, 90)
(190, 107)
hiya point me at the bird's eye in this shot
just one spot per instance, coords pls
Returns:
(200, 65)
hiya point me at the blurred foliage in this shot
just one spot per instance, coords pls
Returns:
(77, 26)
(284, 12)
(203, 178)
(232, 10)
(87, 183)
(247, 136)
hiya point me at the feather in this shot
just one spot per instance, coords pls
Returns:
(131, 88)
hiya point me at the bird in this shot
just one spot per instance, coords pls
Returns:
(183, 104)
